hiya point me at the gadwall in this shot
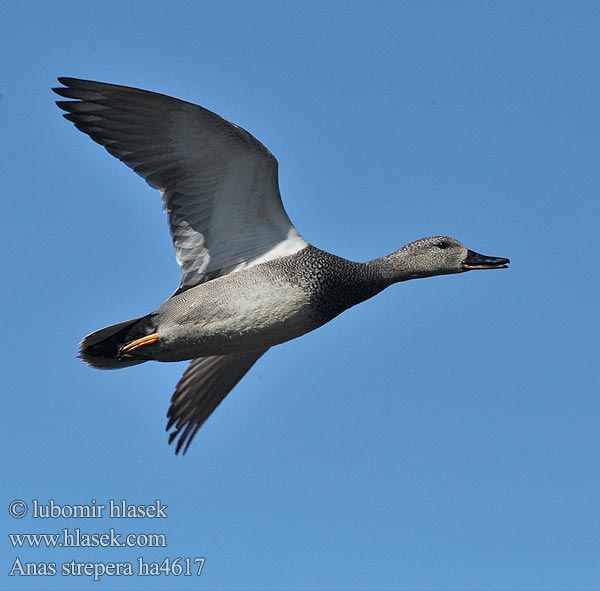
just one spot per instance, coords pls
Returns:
(249, 281)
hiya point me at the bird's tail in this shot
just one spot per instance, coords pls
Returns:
(101, 349)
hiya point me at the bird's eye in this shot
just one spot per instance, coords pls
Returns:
(443, 245)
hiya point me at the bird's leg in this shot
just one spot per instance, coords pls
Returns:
(126, 350)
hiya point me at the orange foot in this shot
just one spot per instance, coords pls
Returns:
(147, 340)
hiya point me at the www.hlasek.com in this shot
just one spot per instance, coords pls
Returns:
(76, 538)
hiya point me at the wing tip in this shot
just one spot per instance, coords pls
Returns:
(71, 81)
(184, 434)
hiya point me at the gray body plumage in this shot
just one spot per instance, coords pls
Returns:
(257, 308)
(249, 280)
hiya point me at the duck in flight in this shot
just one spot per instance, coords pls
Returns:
(249, 281)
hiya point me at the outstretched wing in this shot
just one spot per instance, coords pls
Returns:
(201, 389)
(219, 184)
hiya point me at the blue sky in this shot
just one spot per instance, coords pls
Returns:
(443, 435)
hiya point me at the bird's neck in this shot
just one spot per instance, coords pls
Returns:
(395, 267)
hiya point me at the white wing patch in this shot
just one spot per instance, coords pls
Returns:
(219, 184)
